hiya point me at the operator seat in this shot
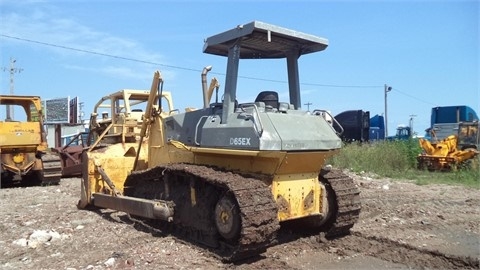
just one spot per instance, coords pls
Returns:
(270, 98)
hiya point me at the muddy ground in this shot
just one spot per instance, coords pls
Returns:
(402, 226)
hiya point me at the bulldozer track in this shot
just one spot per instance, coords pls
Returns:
(346, 202)
(52, 169)
(257, 209)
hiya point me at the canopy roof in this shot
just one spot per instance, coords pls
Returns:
(262, 40)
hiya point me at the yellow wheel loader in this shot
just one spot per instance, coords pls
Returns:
(25, 158)
(229, 174)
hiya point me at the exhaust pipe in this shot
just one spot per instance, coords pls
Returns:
(206, 100)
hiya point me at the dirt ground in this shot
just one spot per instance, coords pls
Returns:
(402, 226)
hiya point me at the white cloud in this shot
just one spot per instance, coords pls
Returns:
(46, 26)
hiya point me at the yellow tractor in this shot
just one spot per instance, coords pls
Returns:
(25, 158)
(449, 153)
(227, 175)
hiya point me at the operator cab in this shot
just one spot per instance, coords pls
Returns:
(266, 123)
(258, 40)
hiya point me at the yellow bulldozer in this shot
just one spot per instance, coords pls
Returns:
(229, 174)
(25, 157)
(116, 119)
(451, 152)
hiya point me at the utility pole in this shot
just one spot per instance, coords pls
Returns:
(308, 105)
(12, 71)
(387, 89)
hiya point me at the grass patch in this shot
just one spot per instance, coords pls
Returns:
(465, 177)
(398, 160)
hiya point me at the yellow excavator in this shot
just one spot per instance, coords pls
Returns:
(227, 175)
(449, 153)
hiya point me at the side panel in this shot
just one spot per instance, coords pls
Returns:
(256, 162)
(182, 127)
(20, 134)
(239, 133)
(304, 132)
(253, 131)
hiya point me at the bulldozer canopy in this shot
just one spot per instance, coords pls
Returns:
(262, 40)
(32, 105)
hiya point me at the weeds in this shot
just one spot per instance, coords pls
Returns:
(398, 159)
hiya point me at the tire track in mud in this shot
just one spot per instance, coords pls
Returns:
(397, 252)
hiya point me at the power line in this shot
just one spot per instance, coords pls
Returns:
(97, 53)
(176, 67)
(418, 99)
(198, 70)
(343, 86)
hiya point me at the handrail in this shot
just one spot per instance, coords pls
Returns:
(334, 120)
(260, 132)
(196, 128)
(255, 108)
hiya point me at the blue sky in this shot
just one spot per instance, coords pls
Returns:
(428, 51)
